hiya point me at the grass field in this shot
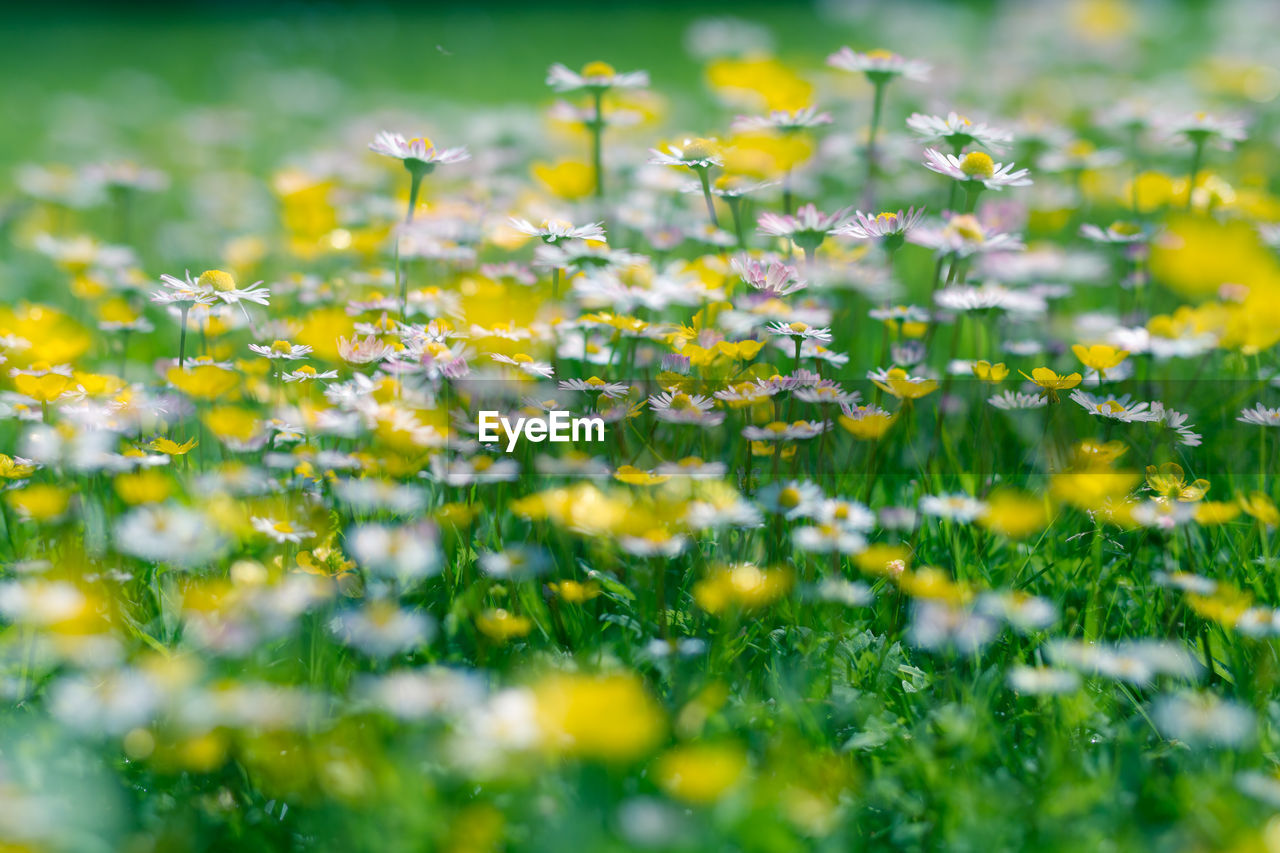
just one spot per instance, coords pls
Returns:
(933, 348)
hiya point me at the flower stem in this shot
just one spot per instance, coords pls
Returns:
(182, 337)
(704, 176)
(877, 107)
(1197, 155)
(597, 152)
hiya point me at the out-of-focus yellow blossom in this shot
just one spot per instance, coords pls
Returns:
(744, 587)
(700, 773)
(40, 501)
(988, 372)
(1259, 506)
(1100, 357)
(501, 625)
(606, 717)
(145, 486)
(1014, 514)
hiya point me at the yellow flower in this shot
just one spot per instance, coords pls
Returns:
(606, 717)
(867, 423)
(44, 388)
(932, 584)
(143, 487)
(1100, 356)
(633, 476)
(1216, 512)
(1014, 514)
(1092, 490)
(169, 447)
(204, 381)
(232, 423)
(12, 469)
(744, 586)
(574, 592)
(1168, 481)
(700, 773)
(898, 383)
(40, 502)
(501, 625)
(1052, 382)
(568, 179)
(1257, 505)
(881, 559)
(988, 372)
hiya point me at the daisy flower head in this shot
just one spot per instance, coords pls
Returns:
(596, 385)
(307, 373)
(890, 227)
(958, 131)
(880, 66)
(779, 431)
(1114, 408)
(220, 286)
(1117, 232)
(595, 76)
(807, 228)
(280, 531)
(1013, 401)
(783, 121)
(418, 154)
(792, 499)
(555, 230)
(281, 350)
(800, 331)
(525, 363)
(1199, 128)
(1260, 415)
(677, 407)
(965, 235)
(976, 167)
(770, 276)
(694, 153)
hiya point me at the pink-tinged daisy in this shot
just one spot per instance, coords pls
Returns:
(597, 76)
(784, 121)
(807, 228)
(417, 153)
(964, 236)
(976, 167)
(363, 350)
(554, 230)
(769, 276)
(958, 131)
(882, 226)
(879, 65)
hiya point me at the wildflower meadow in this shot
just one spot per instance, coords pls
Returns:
(777, 427)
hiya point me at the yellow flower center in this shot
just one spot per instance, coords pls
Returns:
(426, 142)
(1128, 229)
(281, 347)
(789, 497)
(699, 149)
(596, 381)
(880, 53)
(217, 279)
(889, 218)
(521, 358)
(977, 164)
(798, 326)
(966, 226)
(598, 69)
